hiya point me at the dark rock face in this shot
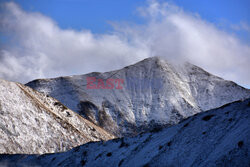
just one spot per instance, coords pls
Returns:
(88, 110)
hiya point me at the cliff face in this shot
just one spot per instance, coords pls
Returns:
(154, 93)
(32, 122)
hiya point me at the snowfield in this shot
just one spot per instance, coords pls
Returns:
(34, 123)
(155, 93)
(219, 137)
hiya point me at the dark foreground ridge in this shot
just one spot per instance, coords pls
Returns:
(218, 137)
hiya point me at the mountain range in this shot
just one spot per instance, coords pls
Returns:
(152, 113)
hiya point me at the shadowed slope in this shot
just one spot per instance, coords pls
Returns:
(219, 137)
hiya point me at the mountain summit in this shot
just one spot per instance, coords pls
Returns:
(154, 93)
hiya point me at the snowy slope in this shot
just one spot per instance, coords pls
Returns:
(32, 122)
(219, 137)
(154, 93)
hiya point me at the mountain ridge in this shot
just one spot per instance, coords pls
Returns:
(155, 93)
(27, 114)
(218, 137)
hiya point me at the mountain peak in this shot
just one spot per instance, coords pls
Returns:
(154, 93)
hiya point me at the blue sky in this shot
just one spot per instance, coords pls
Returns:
(95, 15)
(44, 38)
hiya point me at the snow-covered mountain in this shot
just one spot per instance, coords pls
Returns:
(32, 122)
(154, 93)
(219, 137)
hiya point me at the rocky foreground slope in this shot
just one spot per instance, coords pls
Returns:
(34, 123)
(219, 137)
(154, 93)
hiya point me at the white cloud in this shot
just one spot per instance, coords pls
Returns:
(42, 49)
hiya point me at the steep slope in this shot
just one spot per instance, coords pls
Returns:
(154, 93)
(219, 137)
(32, 122)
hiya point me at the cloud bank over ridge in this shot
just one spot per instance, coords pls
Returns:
(36, 47)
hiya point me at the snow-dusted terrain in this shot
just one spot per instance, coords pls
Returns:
(154, 93)
(219, 137)
(32, 122)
